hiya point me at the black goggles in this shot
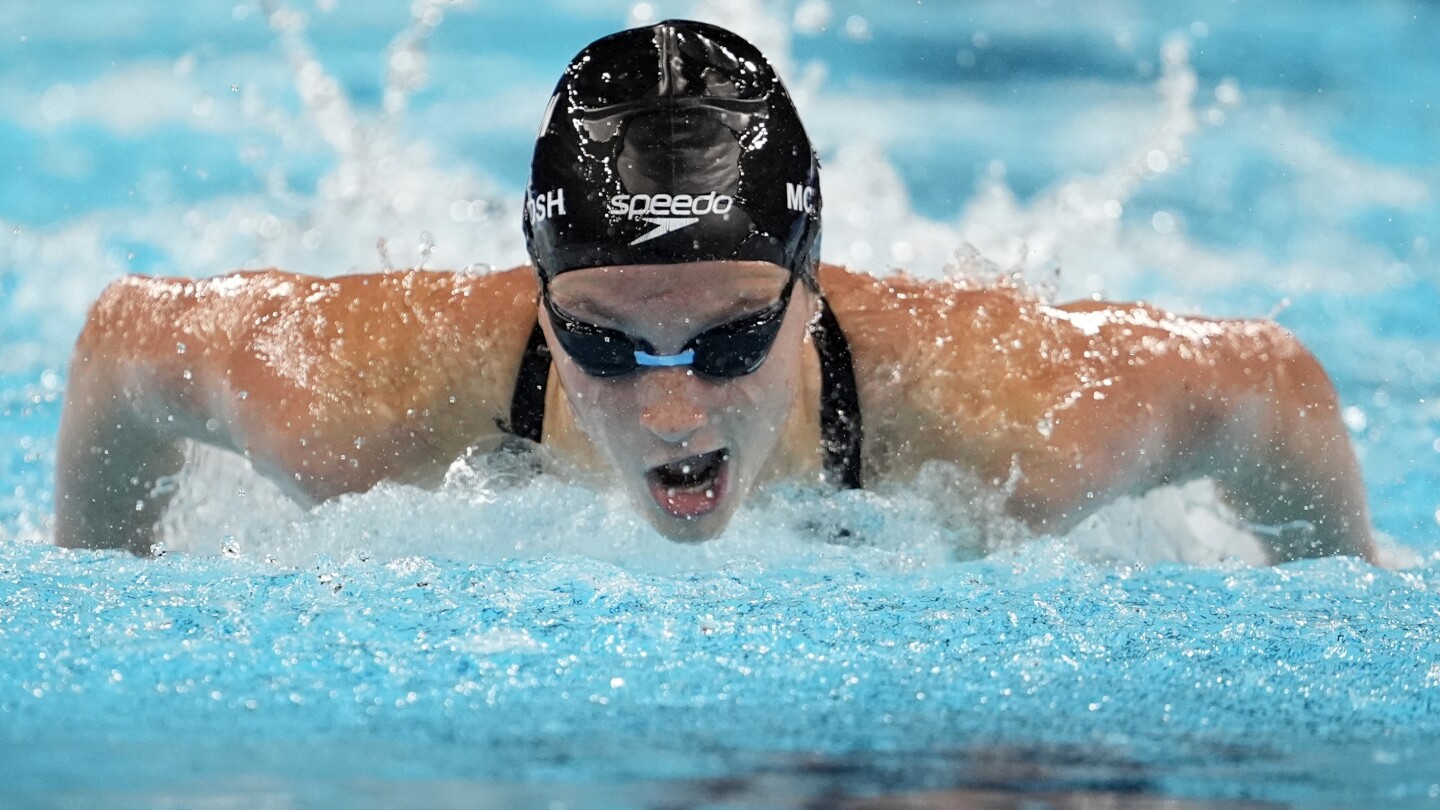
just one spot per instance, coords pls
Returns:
(732, 349)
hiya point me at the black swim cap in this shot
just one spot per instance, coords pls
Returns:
(668, 144)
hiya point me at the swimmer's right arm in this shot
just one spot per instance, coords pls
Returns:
(327, 386)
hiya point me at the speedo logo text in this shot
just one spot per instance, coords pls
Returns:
(670, 205)
(669, 212)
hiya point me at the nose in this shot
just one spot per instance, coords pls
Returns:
(671, 405)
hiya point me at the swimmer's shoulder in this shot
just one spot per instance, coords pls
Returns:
(1140, 330)
(414, 366)
(253, 293)
(934, 363)
(351, 331)
(902, 321)
(945, 324)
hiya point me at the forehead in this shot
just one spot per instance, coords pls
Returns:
(693, 287)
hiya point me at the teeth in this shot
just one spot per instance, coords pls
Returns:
(692, 472)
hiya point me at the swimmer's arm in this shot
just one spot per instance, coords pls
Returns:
(340, 405)
(1284, 460)
(1248, 406)
(155, 365)
(110, 455)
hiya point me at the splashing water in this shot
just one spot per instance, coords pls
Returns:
(517, 629)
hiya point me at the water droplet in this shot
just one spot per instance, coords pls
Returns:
(857, 28)
(812, 17)
(1355, 418)
(58, 103)
(1228, 92)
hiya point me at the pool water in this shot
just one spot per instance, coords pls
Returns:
(515, 641)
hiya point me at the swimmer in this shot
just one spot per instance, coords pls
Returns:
(677, 335)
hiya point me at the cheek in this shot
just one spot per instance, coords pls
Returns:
(767, 388)
(600, 407)
(762, 401)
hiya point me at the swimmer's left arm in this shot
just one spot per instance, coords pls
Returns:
(1067, 408)
(1241, 402)
(1284, 460)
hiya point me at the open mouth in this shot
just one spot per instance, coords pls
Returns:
(690, 487)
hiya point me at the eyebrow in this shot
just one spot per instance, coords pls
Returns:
(586, 307)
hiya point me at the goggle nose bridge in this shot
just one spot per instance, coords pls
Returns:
(685, 358)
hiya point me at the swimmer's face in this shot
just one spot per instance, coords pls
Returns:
(686, 446)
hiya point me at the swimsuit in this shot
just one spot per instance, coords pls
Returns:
(840, 432)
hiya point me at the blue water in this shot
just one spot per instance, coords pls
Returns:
(526, 642)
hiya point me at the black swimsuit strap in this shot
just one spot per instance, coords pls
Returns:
(527, 404)
(840, 433)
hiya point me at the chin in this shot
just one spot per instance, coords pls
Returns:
(691, 530)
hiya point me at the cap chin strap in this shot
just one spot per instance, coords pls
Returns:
(684, 358)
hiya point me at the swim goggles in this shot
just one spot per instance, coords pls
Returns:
(731, 349)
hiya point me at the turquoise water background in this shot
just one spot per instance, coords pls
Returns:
(526, 643)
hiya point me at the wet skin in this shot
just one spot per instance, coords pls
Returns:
(667, 420)
(330, 386)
